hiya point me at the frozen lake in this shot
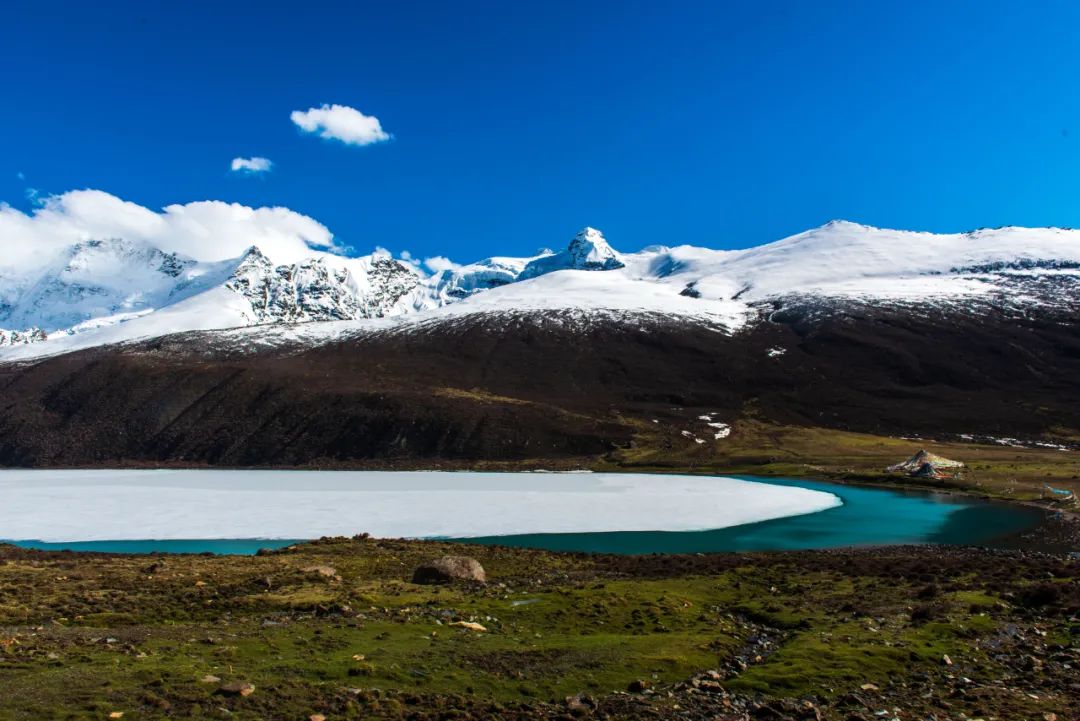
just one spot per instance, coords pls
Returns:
(118, 505)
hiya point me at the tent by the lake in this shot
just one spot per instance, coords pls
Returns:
(925, 464)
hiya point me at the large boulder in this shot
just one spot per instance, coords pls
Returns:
(449, 568)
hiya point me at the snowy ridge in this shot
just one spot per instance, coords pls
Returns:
(116, 290)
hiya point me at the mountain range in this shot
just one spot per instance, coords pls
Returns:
(118, 351)
(110, 290)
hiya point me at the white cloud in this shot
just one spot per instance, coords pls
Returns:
(439, 263)
(251, 165)
(207, 230)
(340, 122)
(407, 257)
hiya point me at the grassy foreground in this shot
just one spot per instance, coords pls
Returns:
(335, 630)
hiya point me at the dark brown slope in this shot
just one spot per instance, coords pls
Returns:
(499, 388)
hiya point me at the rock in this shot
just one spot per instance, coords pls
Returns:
(116, 714)
(238, 688)
(316, 717)
(324, 571)
(450, 568)
(946, 660)
(469, 625)
(638, 686)
(209, 678)
(580, 704)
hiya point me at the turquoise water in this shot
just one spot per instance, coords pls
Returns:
(868, 516)
(227, 546)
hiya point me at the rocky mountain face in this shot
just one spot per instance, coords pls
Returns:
(314, 291)
(388, 283)
(22, 337)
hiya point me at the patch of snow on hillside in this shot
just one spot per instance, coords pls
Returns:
(723, 430)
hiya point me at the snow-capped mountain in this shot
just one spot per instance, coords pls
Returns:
(104, 291)
(315, 359)
(316, 290)
(111, 290)
(588, 250)
(104, 281)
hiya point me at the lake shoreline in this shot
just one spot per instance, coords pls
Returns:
(863, 515)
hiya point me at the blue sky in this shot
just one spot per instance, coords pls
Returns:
(716, 123)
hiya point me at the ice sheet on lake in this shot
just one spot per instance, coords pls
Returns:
(77, 505)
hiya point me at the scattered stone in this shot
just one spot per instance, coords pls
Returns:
(470, 625)
(116, 714)
(946, 660)
(316, 717)
(238, 688)
(449, 568)
(580, 704)
(639, 686)
(324, 571)
(209, 678)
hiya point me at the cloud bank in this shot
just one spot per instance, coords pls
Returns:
(251, 165)
(340, 122)
(207, 230)
(440, 263)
